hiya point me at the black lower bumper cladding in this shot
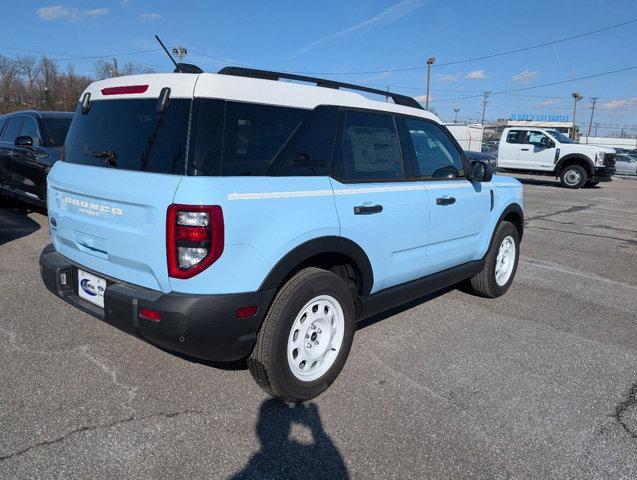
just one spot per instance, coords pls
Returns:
(202, 326)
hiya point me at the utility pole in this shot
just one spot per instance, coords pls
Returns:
(590, 124)
(387, 96)
(181, 52)
(485, 102)
(430, 62)
(455, 116)
(596, 125)
(576, 98)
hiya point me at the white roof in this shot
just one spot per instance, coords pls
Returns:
(244, 89)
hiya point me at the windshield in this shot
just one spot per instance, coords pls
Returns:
(56, 130)
(560, 137)
(130, 135)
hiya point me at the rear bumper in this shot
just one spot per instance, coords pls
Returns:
(202, 326)
(603, 174)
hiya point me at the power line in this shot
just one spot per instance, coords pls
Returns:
(484, 57)
(75, 56)
(542, 85)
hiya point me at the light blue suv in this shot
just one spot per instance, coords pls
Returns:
(238, 215)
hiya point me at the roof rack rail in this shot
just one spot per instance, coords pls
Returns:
(320, 82)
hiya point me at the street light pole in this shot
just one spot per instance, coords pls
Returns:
(576, 98)
(455, 117)
(181, 52)
(430, 62)
(596, 125)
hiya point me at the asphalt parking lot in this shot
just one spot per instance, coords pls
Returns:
(541, 383)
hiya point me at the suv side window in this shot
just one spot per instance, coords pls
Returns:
(369, 149)
(254, 135)
(30, 128)
(309, 153)
(516, 136)
(436, 155)
(2, 122)
(12, 129)
(533, 137)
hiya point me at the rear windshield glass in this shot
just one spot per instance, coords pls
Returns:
(56, 130)
(130, 135)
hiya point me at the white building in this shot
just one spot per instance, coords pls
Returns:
(469, 136)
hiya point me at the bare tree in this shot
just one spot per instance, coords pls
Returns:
(29, 82)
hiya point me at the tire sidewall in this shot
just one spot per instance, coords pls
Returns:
(325, 283)
(583, 175)
(505, 229)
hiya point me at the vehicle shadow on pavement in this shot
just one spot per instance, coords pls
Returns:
(366, 322)
(548, 183)
(15, 222)
(286, 453)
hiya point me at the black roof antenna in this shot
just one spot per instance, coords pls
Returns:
(179, 67)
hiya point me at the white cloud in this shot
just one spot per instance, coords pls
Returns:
(619, 104)
(61, 12)
(476, 75)
(526, 76)
(123, 3)
(96, 12)
(547, 103)
(449, 77)
(386, 17)
(150, 17)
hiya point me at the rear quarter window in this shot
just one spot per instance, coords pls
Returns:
(244, 139)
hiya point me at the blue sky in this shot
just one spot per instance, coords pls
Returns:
(367, 35)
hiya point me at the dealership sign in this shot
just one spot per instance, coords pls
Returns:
(539, 117)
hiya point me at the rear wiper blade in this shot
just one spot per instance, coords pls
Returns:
(109, 155)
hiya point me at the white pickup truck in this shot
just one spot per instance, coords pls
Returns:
(549, 152)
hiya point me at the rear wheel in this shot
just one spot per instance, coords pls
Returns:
(573, 176)
(306, 336)
(501, 263)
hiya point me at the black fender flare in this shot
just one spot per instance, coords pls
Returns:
(321, 246)
(512, 208)
(590, 168)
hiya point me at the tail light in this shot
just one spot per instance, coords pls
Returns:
(194, 238)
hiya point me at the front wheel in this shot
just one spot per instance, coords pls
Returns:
(501, 263)
(306, 336)
(573, 176)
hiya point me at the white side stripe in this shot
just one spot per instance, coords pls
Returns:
(343, 191)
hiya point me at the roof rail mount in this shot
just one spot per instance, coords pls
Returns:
(320, 82)
(187, 68)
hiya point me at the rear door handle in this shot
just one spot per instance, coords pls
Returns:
(524, 149)
(367, 209)
(445, 200)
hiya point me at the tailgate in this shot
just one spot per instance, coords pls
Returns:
(112, 221)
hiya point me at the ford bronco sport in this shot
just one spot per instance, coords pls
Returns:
(238, 215)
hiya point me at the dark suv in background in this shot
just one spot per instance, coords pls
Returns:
(30, 143)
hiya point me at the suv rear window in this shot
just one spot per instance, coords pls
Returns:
(130, 135)
(56, 130)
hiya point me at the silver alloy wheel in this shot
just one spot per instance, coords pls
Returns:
(505, 261)
(572, 177)
(316, 338)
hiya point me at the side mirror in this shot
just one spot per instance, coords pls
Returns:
(481, 172)
(546, 142)
(24, 141)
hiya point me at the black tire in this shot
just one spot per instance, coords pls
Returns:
(591, 184)
(484, 283)
(268, 362)
(573, 176)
